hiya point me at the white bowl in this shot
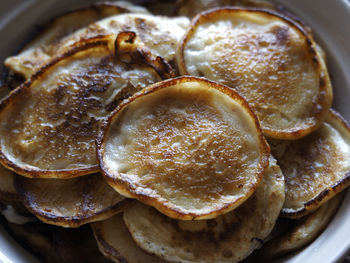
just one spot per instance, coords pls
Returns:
(330, 21)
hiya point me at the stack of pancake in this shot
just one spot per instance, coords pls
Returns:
(177, 140)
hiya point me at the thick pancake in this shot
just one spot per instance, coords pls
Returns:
(268, 59)
(299, 233)
(54, 117)
(116, 243)
(227, 238)
(44, 46)
(190, 147)
(71, 202)
(316, 167)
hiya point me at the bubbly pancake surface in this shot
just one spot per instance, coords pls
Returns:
(227, 238)
(187, 146)
(315, 167)
(270, 61)
(54, 117)
(70, 202)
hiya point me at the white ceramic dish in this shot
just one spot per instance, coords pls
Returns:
(330, 21)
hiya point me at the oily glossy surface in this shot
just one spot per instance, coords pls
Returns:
(270, 61)
(54, 117)
(227, 238)
(315, 167)
(187, 146)
(71, 202)
(329, 22)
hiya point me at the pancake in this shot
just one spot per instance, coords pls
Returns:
(72, 202)
(190, 147)
(159, 34)
(227, 238)
(44, 46)
(116, 243)
(55, 115)
(268, 59)
(316, 167)
(299, 233)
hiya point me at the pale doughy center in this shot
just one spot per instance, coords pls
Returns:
(264, 59)
(193, 148)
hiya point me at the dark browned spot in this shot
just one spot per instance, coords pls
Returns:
(282, 34)
(227, 253)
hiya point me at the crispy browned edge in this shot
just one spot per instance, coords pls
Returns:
(325, 95)
(102, 41)
(327, 193)
(128, 190)
(271, 249)
(67, 221)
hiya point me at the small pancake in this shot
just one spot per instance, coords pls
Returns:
(44, 46)
(300, 233)
(316, 167)
(54, 116)
(190, 147)
(115, 242)
(227, 238)
(71, 202)
(271, 61)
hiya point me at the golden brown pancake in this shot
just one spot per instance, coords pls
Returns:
(115, 242)
(48, 125)
(190, 147)
(299, 233)
(44, 46)
(72, 202)
(227, 238)
(271, 61)
(316, 167)
(157, 33)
